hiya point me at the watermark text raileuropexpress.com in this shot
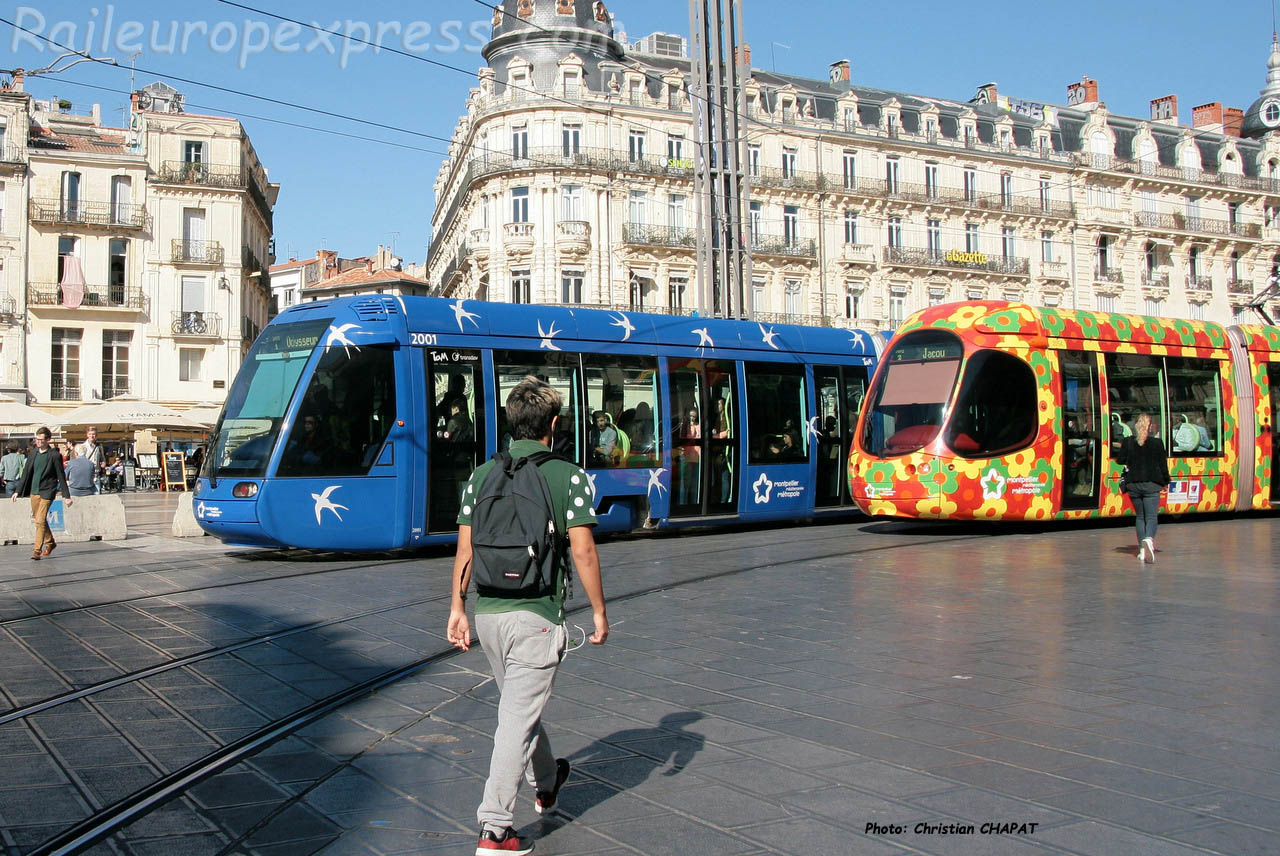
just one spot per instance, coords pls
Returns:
(103, 32)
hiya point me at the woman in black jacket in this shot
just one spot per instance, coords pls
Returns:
(1147, 476)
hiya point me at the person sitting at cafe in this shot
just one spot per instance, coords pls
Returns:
(80, 472)
(115, 474)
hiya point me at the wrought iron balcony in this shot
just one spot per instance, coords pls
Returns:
(64, 389)
(1111, 275)
(117, 215)
(1239, 286)
(1155, 279)
(196, 252)
(95, 296)
(196, 324)
(205, 174)
(779, 245)
(659, 236)
(111, 390)
(1199, 283)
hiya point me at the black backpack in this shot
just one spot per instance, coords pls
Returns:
(516, 550)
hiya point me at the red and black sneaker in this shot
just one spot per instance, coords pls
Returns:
(546, 800)
(507, 842)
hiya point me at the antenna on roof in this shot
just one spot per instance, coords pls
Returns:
(774, 58)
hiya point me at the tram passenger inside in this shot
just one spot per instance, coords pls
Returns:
(609, 444)
(1185, 436)
(1080, 447)
(308, 448)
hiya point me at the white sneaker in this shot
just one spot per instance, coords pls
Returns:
(1150, 544)
(1142, 553)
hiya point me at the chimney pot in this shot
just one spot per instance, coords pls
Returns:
(1207, 116)
(1165, 109)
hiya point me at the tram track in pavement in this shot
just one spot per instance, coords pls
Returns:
(111, 818)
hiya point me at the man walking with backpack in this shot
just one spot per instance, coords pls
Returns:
(521, 513)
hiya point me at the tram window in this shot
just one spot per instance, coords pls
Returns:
(906, 411)
(561, 371)
(622, 397)
(776, 413)
(1195, 406)
(345, 415)
(996, 410)
(256, 404)
(1135, 384)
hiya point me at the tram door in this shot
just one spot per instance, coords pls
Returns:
(1081, 429)
(702, 402)
(840, 390)
(455, 414)
(1273, 376)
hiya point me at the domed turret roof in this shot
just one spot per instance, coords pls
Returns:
(516, 16)
(1263, 115)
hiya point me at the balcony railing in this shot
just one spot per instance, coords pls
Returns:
(95, 296)
(196, 252)
(122, 215)
(858, 253)
(659, 236)
(1053, 270)
(64, 389)
(1112, 275)
(249, 330)
(205, 174)
(1177, 173)
(12, 154)
(957, 259)
(1155, 279)
(779, 245)
(520, 232)
(196, 324)
(111, 390)
(1199, 283)
(1239, 286)
(573, 231)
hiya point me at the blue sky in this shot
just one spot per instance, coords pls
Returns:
(351, 194)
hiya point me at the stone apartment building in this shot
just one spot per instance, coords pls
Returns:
(570, 179)
(135, 259)
(324, 275)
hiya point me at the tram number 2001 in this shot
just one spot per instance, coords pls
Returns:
(428, 339)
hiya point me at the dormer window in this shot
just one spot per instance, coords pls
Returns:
(572, 81)
(891, 122)
(850, 118)
(788, 110)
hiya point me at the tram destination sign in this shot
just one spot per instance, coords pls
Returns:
(925, 350)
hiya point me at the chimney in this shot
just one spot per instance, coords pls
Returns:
(1165, 110)
(18, 76)
(1207, 117)
(1233, 121)
(328, 262)
(840, 71)
(1083, 95)
(744, 56)
(133, 102)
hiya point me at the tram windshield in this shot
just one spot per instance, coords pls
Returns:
(907, 405)
(255, 406)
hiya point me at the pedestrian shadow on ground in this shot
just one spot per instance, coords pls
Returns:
(622, 761)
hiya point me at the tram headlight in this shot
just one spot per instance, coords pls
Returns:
(245, 490)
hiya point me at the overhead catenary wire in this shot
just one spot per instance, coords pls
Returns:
(808, 207)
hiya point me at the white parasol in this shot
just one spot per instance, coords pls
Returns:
(14, 414)
(127, 412)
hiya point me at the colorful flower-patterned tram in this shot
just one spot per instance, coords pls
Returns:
(1003, 411)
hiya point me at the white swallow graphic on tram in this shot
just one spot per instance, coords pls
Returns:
(813, 428)
(654, 476)
(624, 322)
(704, 338)
(459, 314)
(547, 335)
(591, 482)
(338, 336)
(856, 339)
(769, 336)
(324, 503)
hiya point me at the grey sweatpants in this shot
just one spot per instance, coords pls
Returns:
(524, 651)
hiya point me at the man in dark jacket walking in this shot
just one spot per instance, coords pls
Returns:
(41, 479)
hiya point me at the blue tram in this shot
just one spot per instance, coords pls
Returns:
(353, 423)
